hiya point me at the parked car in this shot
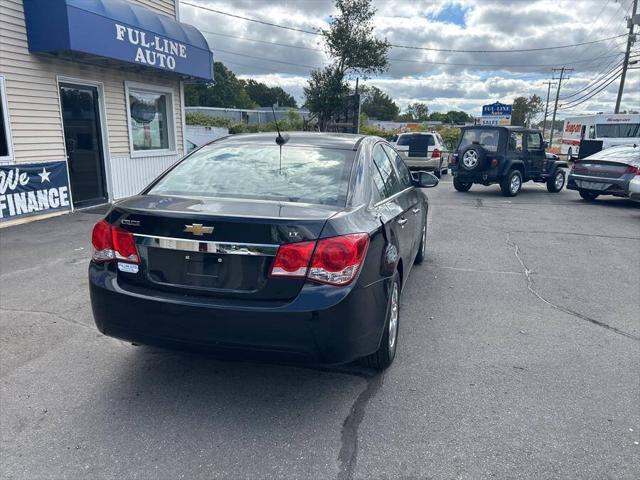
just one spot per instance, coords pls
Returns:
(299, 248)
(607, 172)
(423, 151)
(508, 156)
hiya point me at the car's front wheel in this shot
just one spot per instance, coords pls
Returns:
(511, 184)
(383, 357)
(589, 196)
(556, 181)
(461, 186)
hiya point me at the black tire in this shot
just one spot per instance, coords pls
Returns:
(422, 249)
(383, 357)
(589, 196)
(473, 158)
(461, 186)
(556, 182)
(436, 173)
(511, 183)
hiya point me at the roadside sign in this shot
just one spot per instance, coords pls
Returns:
(496, 114)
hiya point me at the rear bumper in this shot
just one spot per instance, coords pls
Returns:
(322, 325)
(603, 186)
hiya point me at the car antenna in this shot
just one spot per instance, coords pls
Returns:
(280, 139)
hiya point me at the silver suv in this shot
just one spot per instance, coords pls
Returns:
(423, 151)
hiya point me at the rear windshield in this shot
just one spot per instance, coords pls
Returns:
(416, 142)
(628, 130)
(618, 154)
(485, 137)
(305, 175)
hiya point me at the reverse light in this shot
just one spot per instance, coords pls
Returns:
(334, 261)
(113, 243)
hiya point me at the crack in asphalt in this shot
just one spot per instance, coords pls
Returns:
(349, 439)
(43, 312)
(530, 287)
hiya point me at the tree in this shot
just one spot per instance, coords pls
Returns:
(377, 104)
(227, 91)
(524, 109)
(455, 117)
(265, 96)
(354, 51)
(416, 112)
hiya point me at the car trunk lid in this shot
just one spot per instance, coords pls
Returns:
(599, 168)
(216, 247)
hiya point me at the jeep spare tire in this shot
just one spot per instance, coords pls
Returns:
(473, 158)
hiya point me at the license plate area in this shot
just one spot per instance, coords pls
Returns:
(592, 185)
(210, 271)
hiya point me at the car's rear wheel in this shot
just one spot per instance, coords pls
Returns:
(422, 249)
(589, 196)
(556, 181)
(461, 186)
(511, 184)
(385, 354)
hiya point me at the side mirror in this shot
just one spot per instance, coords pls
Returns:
(425, 179)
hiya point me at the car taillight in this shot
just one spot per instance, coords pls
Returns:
(334, 260)
(292, 260)
(635, 169)
(113, 243)
(435, 153)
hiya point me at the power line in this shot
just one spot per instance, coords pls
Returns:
(615, 74)
(594, 82)
(411, 47)
(569, 107)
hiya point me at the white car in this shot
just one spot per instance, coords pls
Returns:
(634, 188)
(423, 151)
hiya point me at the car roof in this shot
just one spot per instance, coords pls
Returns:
(345, 141)
(415, 133)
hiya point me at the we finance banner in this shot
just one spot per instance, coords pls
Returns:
(33, 189)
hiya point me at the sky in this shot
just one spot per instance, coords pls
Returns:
(443, 80)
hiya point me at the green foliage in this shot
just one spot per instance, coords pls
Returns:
(452, 116)
(266, 96)
(416, 112)
(450, 136)
(350, 41)
(293, 122)
(354, 51)
(524, 109)
(377, 104)
(227, 91)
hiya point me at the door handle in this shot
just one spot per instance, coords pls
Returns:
(402, 222)
(415, 211)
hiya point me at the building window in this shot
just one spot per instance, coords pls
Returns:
(6, 150)
(151, 120)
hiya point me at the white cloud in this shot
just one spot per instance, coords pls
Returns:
(417, 75)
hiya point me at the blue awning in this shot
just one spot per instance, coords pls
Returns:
(118, 30)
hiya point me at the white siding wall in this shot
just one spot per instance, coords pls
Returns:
(34, 104)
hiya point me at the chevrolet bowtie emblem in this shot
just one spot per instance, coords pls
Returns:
(197, 229)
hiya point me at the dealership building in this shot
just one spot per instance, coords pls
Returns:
(91, 99)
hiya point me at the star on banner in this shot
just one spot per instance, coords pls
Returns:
(44, 176)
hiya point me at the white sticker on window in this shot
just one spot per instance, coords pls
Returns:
(128, 267)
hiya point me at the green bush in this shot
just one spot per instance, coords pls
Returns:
(293, 122)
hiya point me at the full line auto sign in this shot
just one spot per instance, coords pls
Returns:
(33, 189)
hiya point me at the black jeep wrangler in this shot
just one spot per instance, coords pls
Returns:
(505, 155)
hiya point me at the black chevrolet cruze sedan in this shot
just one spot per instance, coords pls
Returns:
(295, 245)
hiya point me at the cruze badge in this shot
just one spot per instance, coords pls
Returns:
(198, 229)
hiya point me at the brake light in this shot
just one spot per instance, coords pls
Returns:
(635, 169)
(113, 243)
(435, 153)
(334, 260)
(292, 260)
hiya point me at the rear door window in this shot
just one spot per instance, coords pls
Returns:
(387, 179)
(305, 175)
(485, 137)
(403, 171)
(515, 142)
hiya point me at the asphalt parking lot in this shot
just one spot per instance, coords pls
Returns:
(519, 357)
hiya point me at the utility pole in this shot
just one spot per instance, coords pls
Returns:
(562, 71)
(630, 23)
(546, 108)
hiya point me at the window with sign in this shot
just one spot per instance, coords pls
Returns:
(151, 127)
(6, 151)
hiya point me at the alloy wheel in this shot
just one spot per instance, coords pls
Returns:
(470, 159)
(559, 181)
(515, 184)
(393, 318)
